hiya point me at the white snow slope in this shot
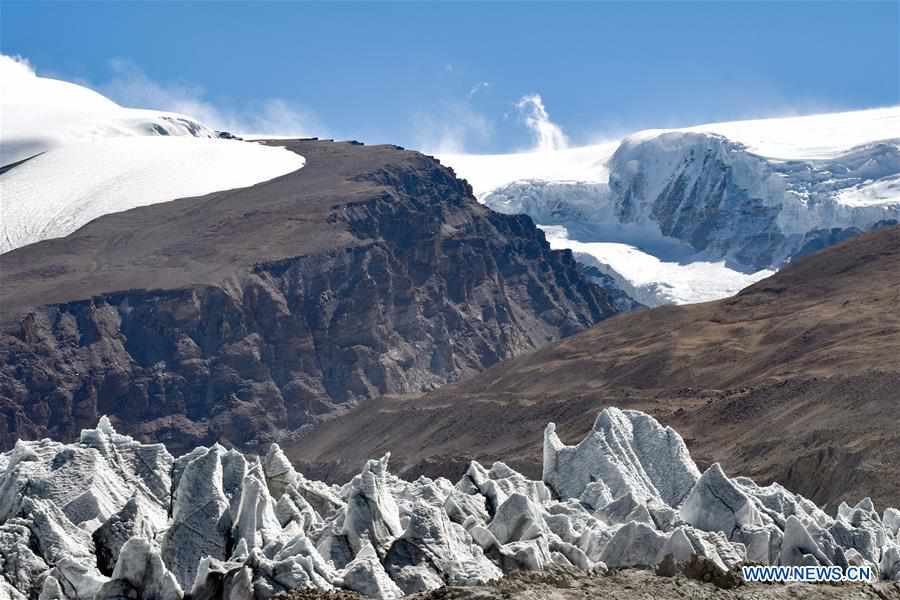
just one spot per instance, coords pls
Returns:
(108, 517)
(696, 214)
(652, 281)
(86, 156)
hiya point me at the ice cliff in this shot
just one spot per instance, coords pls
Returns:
(724, 200)
(109, 517)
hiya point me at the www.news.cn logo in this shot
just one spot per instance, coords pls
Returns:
(761, 574)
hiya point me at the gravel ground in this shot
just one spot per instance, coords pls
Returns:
(628, 584)
(644, 585)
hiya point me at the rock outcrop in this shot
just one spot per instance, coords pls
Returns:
(230, 526)
(240, 315)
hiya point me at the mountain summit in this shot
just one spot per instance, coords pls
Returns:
(696, 214)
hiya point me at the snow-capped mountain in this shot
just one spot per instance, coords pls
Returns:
(69, 154)
(697, 214)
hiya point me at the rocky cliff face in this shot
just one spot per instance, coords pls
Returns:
(243, 314)
(788, 381)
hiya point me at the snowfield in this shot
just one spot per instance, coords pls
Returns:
(86, 156)
(55, 193)
(734, 200)
(652, 281)
(809, 137)
(487, 172)
(39, 114)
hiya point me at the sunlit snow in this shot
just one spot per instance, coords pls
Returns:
(89, 157)
(651, 280)
(790, 138)
(810, 137)
(57, 192)
(487, 172)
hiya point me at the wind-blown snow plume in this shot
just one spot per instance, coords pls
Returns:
(131, 86)
(452, 128)
(548, 135)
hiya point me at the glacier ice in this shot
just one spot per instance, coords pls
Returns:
(109, 517)
(696, 214)
(687, 217)
(628, 452)
(140, 572)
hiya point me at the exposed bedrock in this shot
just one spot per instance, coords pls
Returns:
(372, 271)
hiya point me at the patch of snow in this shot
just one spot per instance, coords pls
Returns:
(869, 192)
(39, 114)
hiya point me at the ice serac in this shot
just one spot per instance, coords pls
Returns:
(634, 545)
(434, 550)
(200, 519)
(251, 529)
(140, 573)
(366, 575)
(629, 452)
(130, 522)
(718, 504)
(372, 516)
(256, 523)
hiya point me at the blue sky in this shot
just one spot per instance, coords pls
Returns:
(449, 76)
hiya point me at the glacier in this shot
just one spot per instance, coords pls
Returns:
(109, 517)
(696, 214)
(69, 155)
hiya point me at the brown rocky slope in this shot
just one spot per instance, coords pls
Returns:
(242, 314)
(795, 380)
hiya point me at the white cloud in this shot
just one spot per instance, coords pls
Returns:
(483, 85)
(131, 87)
(547, 134)
(453, 129)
